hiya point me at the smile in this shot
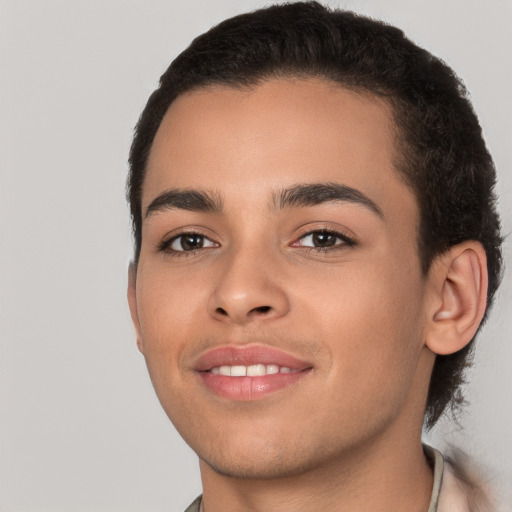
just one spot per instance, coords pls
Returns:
(254, 370)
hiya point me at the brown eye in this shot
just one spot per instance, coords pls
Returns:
(190, 242)
(323, 239)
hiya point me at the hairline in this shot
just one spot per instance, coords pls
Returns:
(400, 151)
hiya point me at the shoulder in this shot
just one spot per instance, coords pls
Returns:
(463, 489)
(453, 496)
(195, 506)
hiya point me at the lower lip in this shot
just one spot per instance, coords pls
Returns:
(250, 388)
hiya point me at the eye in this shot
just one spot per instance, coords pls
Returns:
(187, 242)
(324, 239)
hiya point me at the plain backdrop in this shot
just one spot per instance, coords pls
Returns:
(80, 426)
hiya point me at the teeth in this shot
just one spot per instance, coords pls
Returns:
(254, 370)
(238, 371)
(225, 370)
(272, 368)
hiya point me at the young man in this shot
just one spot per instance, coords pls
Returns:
(316, 246)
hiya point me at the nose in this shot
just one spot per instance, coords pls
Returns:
(249, 288)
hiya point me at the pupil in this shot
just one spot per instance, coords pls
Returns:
(191, 242)
(323, 239)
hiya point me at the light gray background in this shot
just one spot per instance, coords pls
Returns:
(80, 427)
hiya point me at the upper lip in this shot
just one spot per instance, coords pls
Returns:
(246, 355)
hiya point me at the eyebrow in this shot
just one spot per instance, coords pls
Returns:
(297, 196)
(185, 199)
(312, 194)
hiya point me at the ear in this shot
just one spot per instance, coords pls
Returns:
(132, 302)
(458, 280)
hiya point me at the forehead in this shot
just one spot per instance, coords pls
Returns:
(275, 134)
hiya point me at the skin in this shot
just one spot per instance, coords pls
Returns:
(361, 313)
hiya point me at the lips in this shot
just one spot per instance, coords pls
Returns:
(247, 356)
(249, 372)
(253, 370)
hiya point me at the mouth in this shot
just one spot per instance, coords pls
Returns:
(249, 372)
(253, 370)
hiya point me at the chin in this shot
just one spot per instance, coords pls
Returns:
(264, 459)
(266, 469)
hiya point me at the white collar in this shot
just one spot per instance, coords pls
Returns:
(447, 493)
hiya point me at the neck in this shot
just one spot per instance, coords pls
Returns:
(380, 477)
(387, 472)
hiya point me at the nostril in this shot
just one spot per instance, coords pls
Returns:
(233, 314)
(261, 309)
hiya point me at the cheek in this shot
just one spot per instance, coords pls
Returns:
(169, 318)
(168, 305)
(168, 312)
(370, 320)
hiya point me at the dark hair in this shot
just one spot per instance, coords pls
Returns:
(441, 154)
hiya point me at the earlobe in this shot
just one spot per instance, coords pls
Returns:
(132, 302)
(459, 296)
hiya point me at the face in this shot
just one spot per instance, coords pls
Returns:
(279, 300)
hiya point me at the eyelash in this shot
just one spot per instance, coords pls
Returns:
(165, 246)
(345, 239)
